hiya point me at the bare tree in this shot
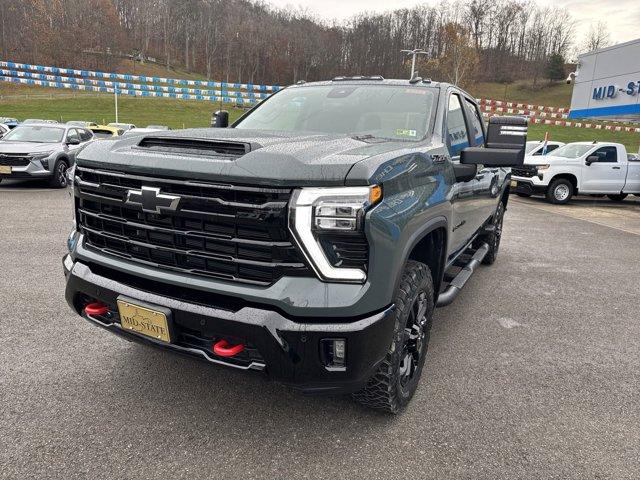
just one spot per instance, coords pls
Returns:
(597, 37)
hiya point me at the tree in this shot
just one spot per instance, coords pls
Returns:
(555, 67)
(597, 37)
(459, 59)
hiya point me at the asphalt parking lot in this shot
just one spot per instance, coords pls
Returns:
(534, 372)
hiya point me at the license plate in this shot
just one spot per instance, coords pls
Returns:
(5, 170)
(514, 184)
(143, 320)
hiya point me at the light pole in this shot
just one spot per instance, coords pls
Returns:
(414, 53)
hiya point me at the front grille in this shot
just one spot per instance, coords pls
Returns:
(230, 232)
(524, 171)
(14, 160)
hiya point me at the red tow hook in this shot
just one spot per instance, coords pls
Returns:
(223, 349)
(96, 309)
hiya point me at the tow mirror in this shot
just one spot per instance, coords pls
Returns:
(504, 146)
(220, 119)
(591, 159)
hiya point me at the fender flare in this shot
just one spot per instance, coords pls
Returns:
(431, 225)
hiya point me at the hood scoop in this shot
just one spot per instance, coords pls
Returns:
(192, 146)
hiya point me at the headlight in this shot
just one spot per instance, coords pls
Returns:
(324, 220)
(543, 167)
(40, 155)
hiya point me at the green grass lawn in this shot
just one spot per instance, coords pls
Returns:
(139, 111)
(552, 95)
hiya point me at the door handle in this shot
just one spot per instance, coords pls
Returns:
(615, 168)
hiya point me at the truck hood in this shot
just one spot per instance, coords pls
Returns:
(275, 158)
(543, 159)
(27, 147)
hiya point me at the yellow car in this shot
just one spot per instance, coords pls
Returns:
(105, 131)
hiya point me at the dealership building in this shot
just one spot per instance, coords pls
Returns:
(606, 84)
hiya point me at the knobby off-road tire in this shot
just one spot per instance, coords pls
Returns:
(560, 191)
(59, 174)
(396, 380)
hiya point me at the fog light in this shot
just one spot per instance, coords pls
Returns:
(334, 353)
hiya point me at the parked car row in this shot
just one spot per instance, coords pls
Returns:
(45, 149)
(114, 128)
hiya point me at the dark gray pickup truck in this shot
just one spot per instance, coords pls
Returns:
(310, 240)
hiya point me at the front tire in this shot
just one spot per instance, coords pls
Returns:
(560, 191)
(396, 380)
(59, 177)
(617, 198)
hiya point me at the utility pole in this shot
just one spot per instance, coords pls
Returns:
(414, 53)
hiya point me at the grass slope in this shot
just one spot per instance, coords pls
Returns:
(552, 95)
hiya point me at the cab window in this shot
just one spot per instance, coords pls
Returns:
(457, 137)
(551, 148)
(476, 123)
(607, 154)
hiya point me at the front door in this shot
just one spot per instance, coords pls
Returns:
(607, 175)
(465, 195)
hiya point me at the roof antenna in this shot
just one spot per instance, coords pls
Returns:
(414, 53)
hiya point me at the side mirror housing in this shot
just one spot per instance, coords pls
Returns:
(464, 173)
(504, 146)
(73, 141)
(591, 159)
(220, 119)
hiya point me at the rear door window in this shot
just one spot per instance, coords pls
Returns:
(457, 136)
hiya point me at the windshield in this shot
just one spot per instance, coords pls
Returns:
(382, 111)
(35, 134)
(530, 146)
(572, 151)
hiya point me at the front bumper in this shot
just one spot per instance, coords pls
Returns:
(528, 186)
(34, 169)
(288, 349)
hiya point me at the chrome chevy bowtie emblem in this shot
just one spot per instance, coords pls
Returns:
(151, 200)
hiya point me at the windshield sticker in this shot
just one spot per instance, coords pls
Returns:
(416, 91)
(402, 132)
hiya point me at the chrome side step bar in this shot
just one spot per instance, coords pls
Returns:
(457, 284)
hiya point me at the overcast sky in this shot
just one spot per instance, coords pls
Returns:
(622, 16)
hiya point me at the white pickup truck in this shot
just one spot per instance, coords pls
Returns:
(590, 168)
